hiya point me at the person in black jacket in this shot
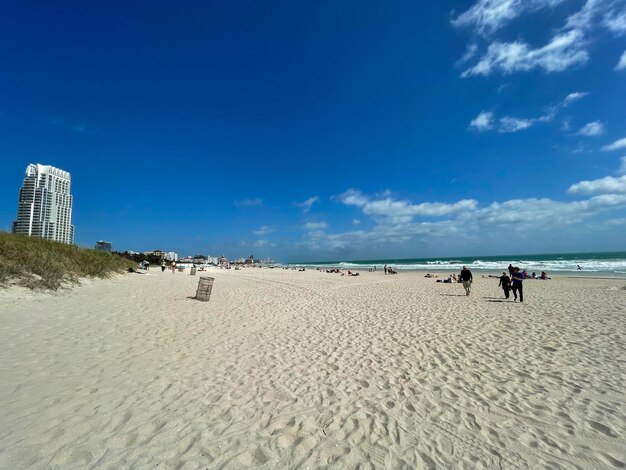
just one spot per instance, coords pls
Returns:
(505, 283)
(466, 279)
(517, 285)
(511, 268)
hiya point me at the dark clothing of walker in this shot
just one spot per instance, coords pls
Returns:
(466, 278)
(505, 283)
(517, 286)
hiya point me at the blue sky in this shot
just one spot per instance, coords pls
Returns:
(323, 130)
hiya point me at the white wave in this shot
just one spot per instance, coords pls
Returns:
(587, 265)
(617, 266)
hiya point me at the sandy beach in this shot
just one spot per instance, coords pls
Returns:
(287, 369)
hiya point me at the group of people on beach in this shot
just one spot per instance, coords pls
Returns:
(511, 281)
(465, 277)
(390, 270)
(514, 281)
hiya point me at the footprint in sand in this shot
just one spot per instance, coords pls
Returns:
(607, 431)
(252, 458)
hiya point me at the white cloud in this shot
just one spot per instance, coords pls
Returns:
(263, 243)
(486, 120)
(552, 111)
(482, 122)
(509, 219)
(353, 197)
(306, 205)
(621, 65)
(607, 185)
(562, 52)
(511, 124)
(315, 226)
(573, 97)
(266, 229)
(622, 168)
(356, 221)
(584, 17)
(530, 212)
(604, 13)
(488, 16)
(617, 145)
(615, 22)
(620, 221)
(567, 48)
(470, 51)
(249, 202)
(592, 129)
(403, 211)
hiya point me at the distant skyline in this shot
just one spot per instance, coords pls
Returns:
(326, 130)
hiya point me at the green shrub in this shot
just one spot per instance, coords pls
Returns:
(42, 264)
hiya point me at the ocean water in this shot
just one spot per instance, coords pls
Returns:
(613, 264)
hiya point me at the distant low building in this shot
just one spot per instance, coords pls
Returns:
(101, 245)
(158, 253)
(171, 256)
(199, 259)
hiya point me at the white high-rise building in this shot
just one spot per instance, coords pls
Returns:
(45, 205)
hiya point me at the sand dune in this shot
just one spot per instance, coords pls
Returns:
(286, 369)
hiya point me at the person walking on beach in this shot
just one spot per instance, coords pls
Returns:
(163, 266)
(385, 269)
(466, 278)
(505, 283)
(511, 268)
(518, 278)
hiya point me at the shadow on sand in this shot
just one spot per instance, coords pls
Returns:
(497, 299)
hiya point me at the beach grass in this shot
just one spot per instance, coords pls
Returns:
(46, 265)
